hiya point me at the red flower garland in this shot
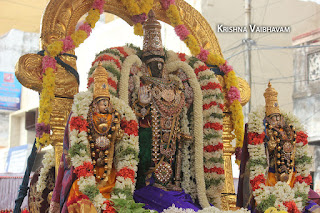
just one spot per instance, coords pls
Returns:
(126, 173)
(211, 85)
(292, 207)
(112, 83)
(107, 58)
(300, 179)
(129, 127)
(213, 103)
(90, 81)
(121, 50)
(255, 138)
(78, 123)
(257, 181)
(109, 207)
(182, 56)
(200, 69)
(211, 148)
(84, 170)
(302, 137)
(215, 126)
(217, 170)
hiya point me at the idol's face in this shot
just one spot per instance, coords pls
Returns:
(103, 105)
(156, 68)
(276, 119)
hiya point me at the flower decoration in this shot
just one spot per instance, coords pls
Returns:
(280, 197)
(78, 123)
(49, 67)
(81, 160)
(138, 11)
(211, 58)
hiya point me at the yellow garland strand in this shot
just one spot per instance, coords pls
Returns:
(174, 15)
(134, 9)
(192, 44)
(48, 84)
(93, 17)
(45, 107)
(138, 30)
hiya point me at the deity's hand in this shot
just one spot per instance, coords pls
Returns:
(144, 95)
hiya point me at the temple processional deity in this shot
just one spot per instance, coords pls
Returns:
(275, 164)
(164, 103)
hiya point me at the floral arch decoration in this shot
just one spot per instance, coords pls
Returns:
(59, 37)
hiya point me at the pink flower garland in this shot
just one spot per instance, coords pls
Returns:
(139, 18)
(181, 31)
(68, 44)
(166, 3)
(86, 27)
(98, 4)
(48, 62)
(233, 94)
(225, 68)
(203, 55)
(42, 128)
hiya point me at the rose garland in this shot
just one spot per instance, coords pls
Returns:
(281, 196)
(49, 67)
(48, 162)
(126, 152)
(138, 11)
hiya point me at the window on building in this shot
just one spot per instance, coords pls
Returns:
(314, 66)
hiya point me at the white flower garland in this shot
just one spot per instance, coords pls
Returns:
(80, 108)
(282, 191)
(210, 209)
(123, 87)
(198, 127)
(189, 168)
(48, 162)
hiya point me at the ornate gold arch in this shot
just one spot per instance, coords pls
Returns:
(60, 19)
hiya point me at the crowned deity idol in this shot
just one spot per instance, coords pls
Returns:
(275, 158)
(90, 166)
(280, 142)
(158, 106)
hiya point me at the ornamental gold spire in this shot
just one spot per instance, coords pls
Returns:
(152, 43)
(100, 88)
(271, 98)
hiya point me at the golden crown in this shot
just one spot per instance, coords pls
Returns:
(271, 98)
(100, 88)
(152, 43)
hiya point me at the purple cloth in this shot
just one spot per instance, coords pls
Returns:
(158, 199)
(311, 207)
(65, 176)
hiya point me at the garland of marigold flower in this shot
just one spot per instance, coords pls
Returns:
(138, 11)
(281, 196)
(52, 51)
(230, 79)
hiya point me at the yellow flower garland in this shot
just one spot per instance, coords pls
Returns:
(174, 15)
(134, 8)
(45, 107)
(48, 84)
